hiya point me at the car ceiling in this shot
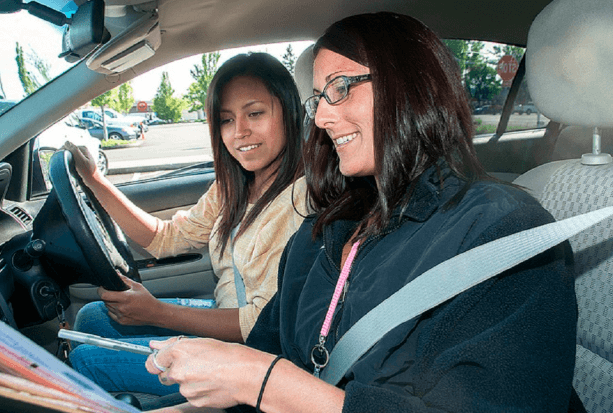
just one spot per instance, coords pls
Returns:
(192, 27)
(196, 26)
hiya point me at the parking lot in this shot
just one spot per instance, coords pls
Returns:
(164, 148)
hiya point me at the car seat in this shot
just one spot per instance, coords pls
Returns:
(569, 68)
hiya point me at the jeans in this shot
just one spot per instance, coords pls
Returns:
(121, 371)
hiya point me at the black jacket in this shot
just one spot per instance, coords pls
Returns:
(506, 345)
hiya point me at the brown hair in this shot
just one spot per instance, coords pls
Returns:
(421, 114)
(232, 179)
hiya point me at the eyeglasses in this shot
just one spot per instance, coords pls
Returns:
(334, 91)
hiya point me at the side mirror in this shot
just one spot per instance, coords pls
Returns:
(40, 170)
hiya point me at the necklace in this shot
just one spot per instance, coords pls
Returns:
(319, 351)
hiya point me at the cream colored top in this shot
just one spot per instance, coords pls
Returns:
(257, 251)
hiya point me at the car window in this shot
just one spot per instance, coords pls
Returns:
(488, 70)
(167, 138)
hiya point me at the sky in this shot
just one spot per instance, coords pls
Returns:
(45, 39)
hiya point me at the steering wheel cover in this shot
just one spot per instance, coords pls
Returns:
(93, 229)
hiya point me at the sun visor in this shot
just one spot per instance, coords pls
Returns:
(131, 47)
(569, 62)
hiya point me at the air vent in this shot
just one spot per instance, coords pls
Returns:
(21, 215)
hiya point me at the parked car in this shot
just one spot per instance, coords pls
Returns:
(488, 110)
(95, 128)
(193, 27)
(118, 117)
(67, 129)
(527, 108)
(148, 118)
(96, 115)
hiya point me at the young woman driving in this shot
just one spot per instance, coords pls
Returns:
(255, 204)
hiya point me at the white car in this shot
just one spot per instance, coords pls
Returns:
(66, 129)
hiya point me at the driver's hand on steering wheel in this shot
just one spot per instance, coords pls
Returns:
(85, 163)
(134, 306)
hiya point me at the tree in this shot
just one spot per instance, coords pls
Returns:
(165, 104)
(202, 74)
(42, 67)
(125, 97)
(28, 82)
(33, 79)
(482, 83)
(289, 59)
(106, 99)
(459, 48)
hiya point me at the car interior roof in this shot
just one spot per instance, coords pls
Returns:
(195, 26)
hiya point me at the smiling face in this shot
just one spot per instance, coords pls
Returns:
(349, 123)
(252, 126)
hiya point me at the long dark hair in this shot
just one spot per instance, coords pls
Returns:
(421, 114)
(232, 179)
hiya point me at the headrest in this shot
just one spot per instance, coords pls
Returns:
(303, 73)
(569, 62)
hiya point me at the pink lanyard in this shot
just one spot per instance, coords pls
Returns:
(325, 328)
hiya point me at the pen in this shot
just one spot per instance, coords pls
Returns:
(103, 342)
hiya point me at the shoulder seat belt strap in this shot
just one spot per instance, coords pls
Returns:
(239, 283)
(448, 279)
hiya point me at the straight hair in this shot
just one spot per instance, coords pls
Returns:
(421, 114)
(232, 179)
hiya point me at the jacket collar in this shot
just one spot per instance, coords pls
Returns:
(427, 197)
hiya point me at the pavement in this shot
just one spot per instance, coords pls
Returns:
(153, 165)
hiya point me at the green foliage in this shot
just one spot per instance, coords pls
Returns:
(482, 82)
(112, 143)
(289, 59)
(478, 73)
(33, 79)
(28, 81)
(108, 98)
(165, 104)
(202, 74)
(125, 98)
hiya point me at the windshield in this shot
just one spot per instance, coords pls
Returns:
(30, 49)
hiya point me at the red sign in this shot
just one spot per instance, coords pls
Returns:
(507, 67)
(141, 106)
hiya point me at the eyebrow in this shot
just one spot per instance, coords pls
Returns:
(328, 78)
(245, 106)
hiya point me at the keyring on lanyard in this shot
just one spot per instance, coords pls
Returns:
(325, 328)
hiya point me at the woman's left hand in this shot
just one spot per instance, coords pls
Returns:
(135, 306)
(209, 372)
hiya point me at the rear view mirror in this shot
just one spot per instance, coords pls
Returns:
(85, 32)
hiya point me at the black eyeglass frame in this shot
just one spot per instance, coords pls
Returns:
(311, 108)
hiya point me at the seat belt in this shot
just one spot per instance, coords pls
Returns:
(239, 283)
(443, 282)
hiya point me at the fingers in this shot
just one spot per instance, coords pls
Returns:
(162, 358)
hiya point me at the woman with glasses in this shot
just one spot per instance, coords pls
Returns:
(397, 189)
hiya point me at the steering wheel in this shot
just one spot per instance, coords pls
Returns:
(101, 242)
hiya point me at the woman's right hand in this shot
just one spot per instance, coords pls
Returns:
(85, 163)
(210, 373)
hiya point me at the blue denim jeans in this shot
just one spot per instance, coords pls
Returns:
(121, 371)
